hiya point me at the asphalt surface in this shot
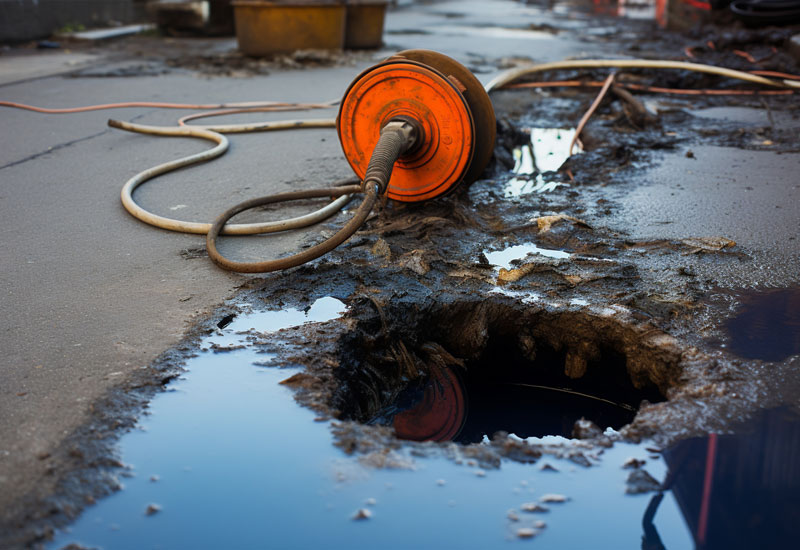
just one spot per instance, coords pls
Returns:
(90, 294)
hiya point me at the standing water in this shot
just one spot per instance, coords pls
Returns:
(767, 325)
(227, 459)
(546, 152)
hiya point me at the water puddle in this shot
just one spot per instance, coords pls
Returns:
(503, 259)
(492, 32)
(546, 152)
(227, 459)
(767, 325)
(237, 328)
(737, 490)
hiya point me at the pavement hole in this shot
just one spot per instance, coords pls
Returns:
(463, 372)
(767, 326)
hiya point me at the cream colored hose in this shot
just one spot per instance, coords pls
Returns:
(513, 74)
(213, 133)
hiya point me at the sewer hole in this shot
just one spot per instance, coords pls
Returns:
(518, 380)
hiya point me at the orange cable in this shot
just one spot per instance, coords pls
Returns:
(158, 105)
(655, 89)
(592, 108)
(776, 74)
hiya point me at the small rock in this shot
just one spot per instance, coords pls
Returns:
(641, 482)
(548, 468)
(362, 514)
(586, 429)
(534, 507)
(512, 515)
(540, 524)
(154, 478)
(441, 482)
(580, 459)
(371, 502)
(553, 497)
(633, 463)
(152, 509)
(480, 473)
(382, 250)
(526, 532)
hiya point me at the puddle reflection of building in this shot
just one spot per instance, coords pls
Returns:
(737, 491)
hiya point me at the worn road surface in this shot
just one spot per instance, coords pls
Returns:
(91, 295)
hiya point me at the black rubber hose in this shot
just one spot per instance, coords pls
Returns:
(301, 257)
(396, 138)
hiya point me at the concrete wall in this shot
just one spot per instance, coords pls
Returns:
(22, 20)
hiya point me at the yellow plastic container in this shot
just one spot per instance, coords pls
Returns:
(265, 28)
(365, 19)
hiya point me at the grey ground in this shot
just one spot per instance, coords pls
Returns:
(90, 294)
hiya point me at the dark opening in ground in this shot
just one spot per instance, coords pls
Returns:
(509, 392)
(530, 373)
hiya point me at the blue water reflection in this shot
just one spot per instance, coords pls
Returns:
(739, 490)
(233, 462)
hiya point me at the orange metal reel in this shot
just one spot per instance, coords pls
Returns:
(403, 87)
(440, 414)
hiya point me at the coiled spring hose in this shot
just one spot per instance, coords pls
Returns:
(393, 142)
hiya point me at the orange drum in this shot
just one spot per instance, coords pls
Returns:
(450, 108)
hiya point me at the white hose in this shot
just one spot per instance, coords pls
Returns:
(513, 74)
(212, 133)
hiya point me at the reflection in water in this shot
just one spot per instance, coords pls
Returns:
(737, 491)
(437, 411)
(324, 309)
(768, 325)
(546, 152)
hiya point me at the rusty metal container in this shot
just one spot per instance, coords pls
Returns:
(265, 28)
(365, 19)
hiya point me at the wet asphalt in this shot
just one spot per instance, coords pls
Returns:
(91, 295)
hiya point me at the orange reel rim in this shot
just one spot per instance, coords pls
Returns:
(480, 105)
(441, 413)
(402, 87)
